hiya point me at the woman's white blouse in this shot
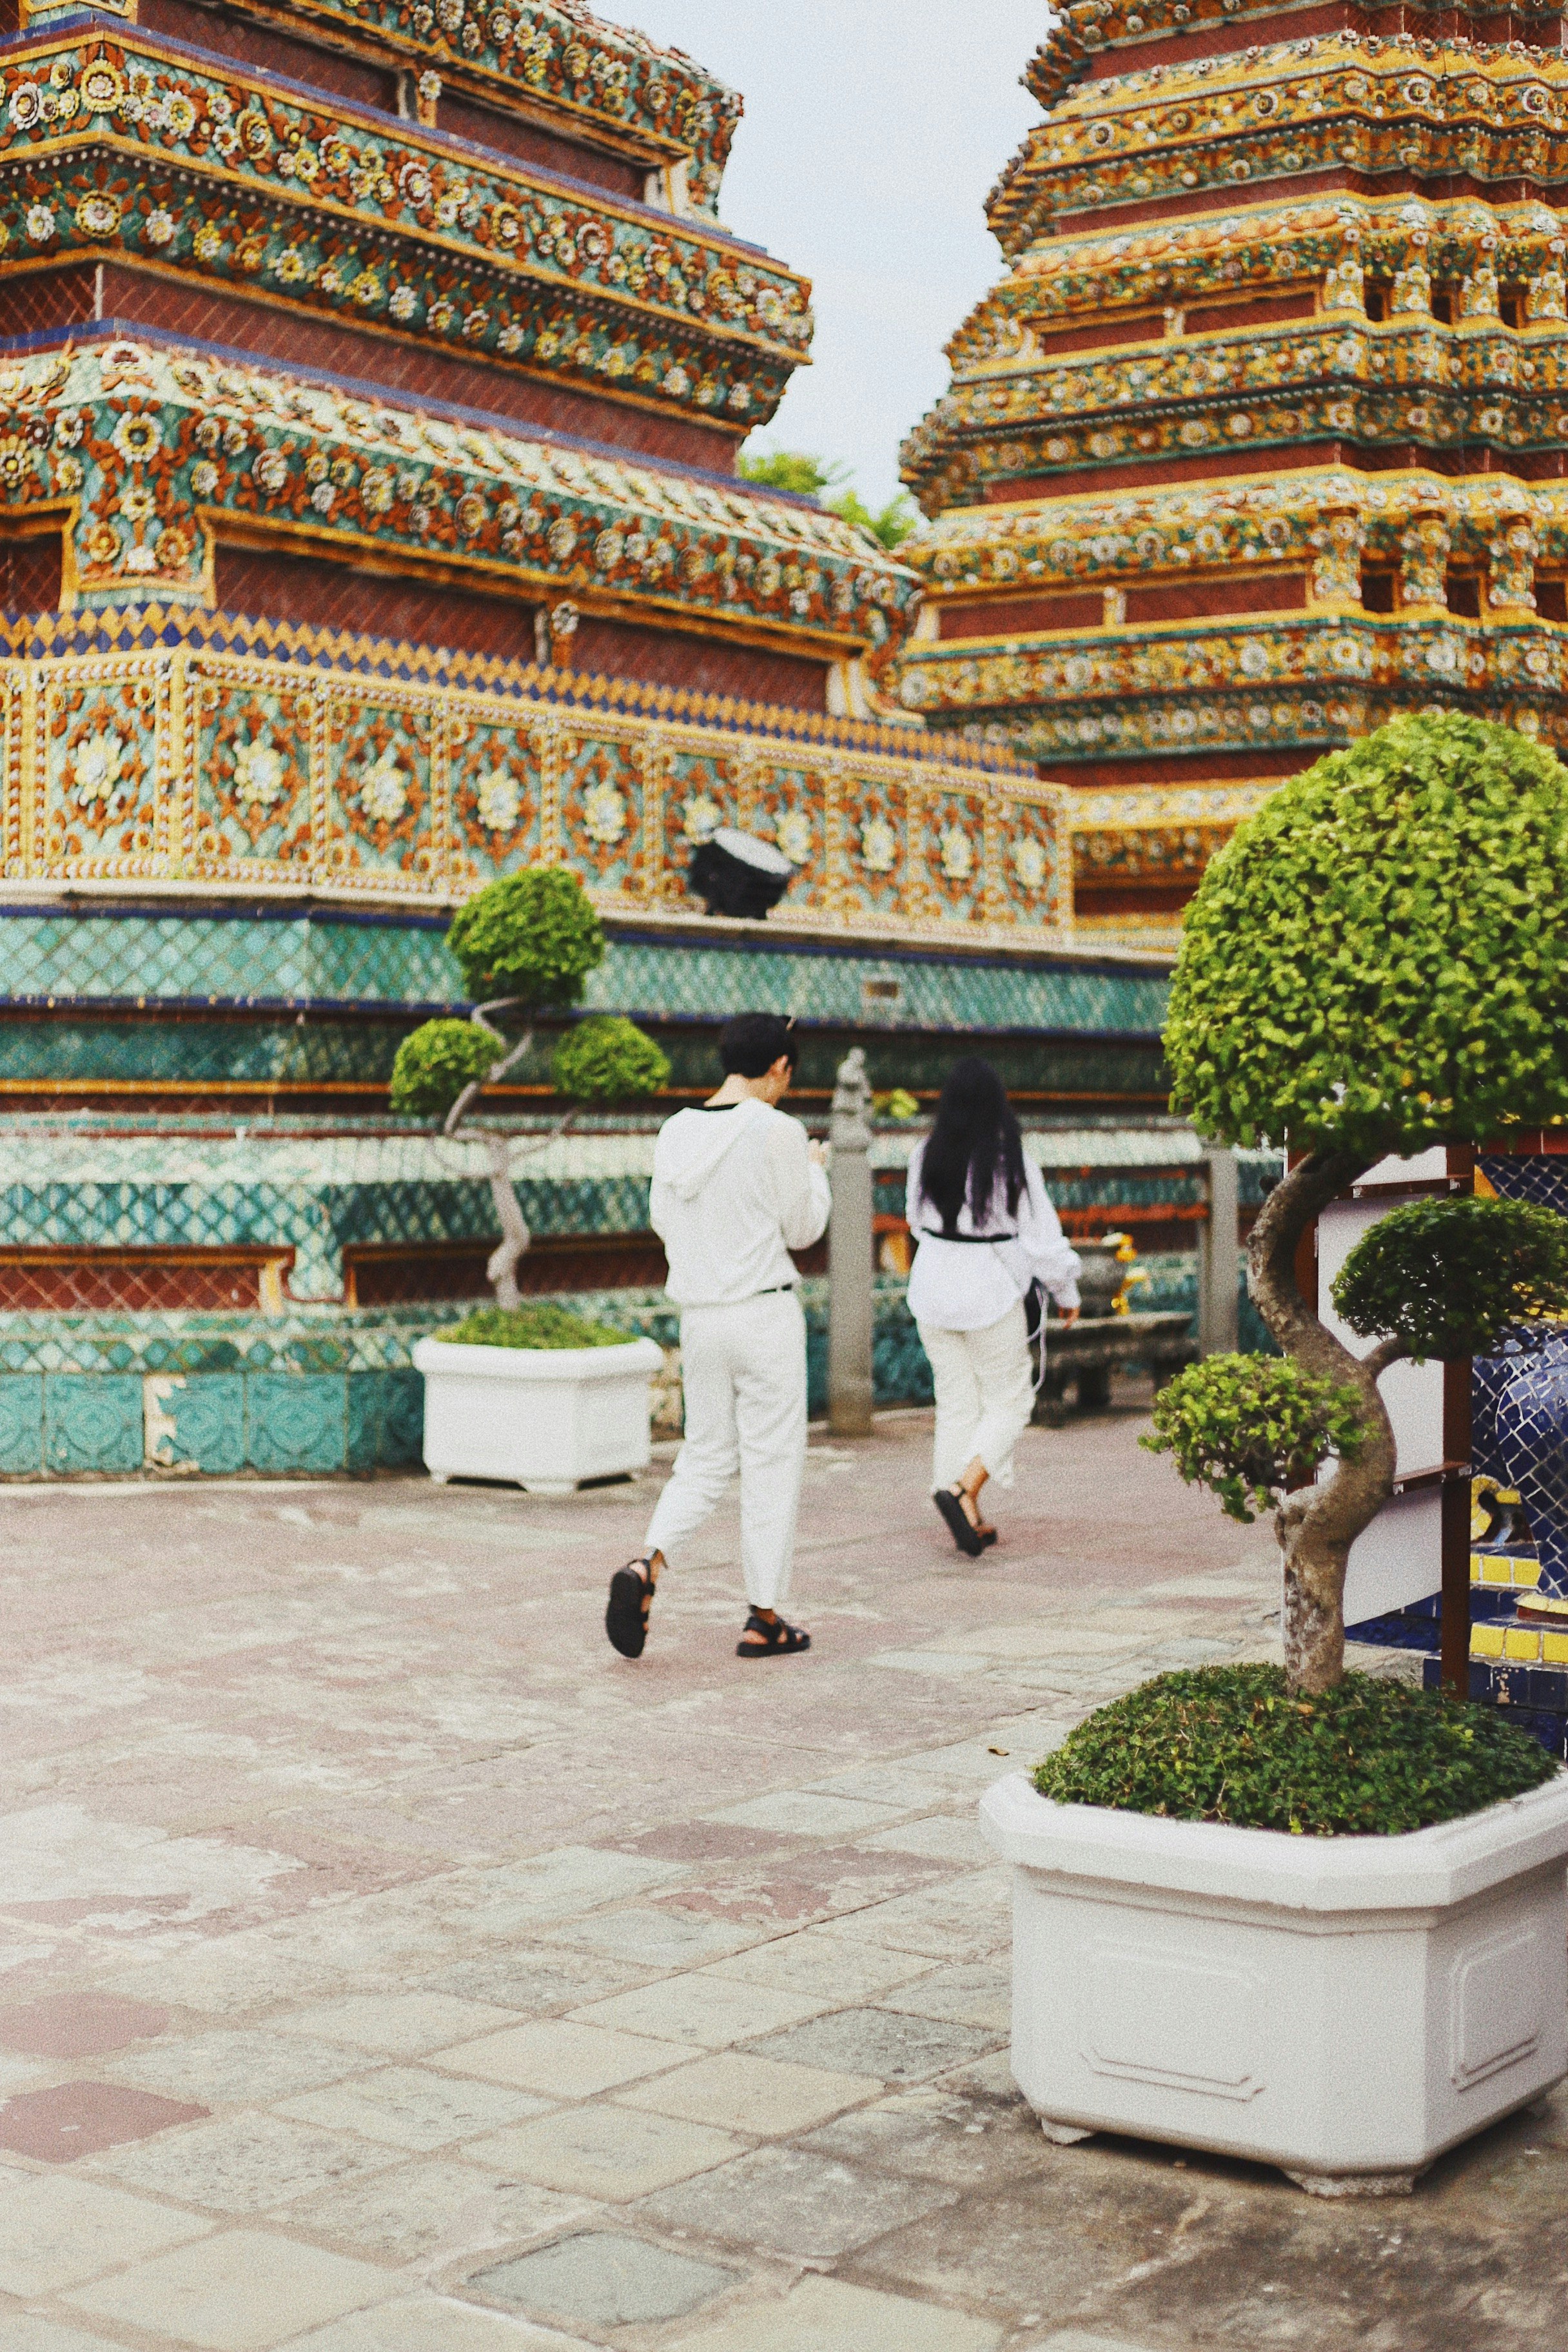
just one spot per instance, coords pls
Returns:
(959, 1285)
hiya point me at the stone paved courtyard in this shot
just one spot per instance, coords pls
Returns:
(389, 1968)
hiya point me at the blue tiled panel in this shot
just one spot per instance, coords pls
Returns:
(21, 1422)
(208, 1414)
(296, 1421)
(92, 1424)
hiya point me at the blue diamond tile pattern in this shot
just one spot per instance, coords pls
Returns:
(359, 961)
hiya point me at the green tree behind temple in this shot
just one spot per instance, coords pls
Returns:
(809, 478)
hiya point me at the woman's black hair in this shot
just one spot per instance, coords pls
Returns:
(974, 1148)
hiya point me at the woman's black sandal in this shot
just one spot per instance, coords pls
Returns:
(779, 1640)
(965, 1534)
(631, 1600)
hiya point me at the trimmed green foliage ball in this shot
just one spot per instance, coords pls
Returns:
(532, 935)
(1368, 1758)
(541, 1326)
(1448, 1278)
(608, 1059)
(1249, 1427)
(436, 1063)
(1379, 958)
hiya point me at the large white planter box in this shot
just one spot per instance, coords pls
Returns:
(1345, 2007)
(544, 1418)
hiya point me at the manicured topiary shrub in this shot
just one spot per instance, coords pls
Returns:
(608, 1059)
(541, 1326)
(1378, 962)
(533, 937)
(437, 1062)
(1365, 1758)
(1250, 1427)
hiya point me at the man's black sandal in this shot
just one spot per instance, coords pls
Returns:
(779, 1640)
(631, 1599)
(966, 1537)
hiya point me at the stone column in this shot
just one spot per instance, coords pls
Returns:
(849, 1253)
(1218, 1258)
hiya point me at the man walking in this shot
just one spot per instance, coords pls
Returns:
(736, 1186)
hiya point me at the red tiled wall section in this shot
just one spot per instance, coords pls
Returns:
(30, 573)
(1186, 600)
(336, 596)
(528, 142)
(313, 589)
(390, 1278)
(247, 43)
(669, 657)
(33, 302)
(101, 1281)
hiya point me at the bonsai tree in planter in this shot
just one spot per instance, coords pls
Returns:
(526, 944)
(1377, 963)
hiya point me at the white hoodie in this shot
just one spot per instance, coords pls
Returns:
(734, 1191)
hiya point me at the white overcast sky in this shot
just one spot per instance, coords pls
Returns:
(873, 129)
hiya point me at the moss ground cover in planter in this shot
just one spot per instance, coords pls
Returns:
(544, 1326)
(1231, 1744)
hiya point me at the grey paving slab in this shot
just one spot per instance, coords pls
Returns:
(418, 2209)
(656, 1939)
(218, 2069)
(413, 2107)
(794, 2202)
(604, 2279)
(974, 1992)
(892, 2043)
(244, 2163)
(534, 1982)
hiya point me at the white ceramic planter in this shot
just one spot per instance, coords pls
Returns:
(1345, 2008)
(544, 1418)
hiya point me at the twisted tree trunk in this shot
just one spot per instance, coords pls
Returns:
(1317, 1524)
(500, 1268)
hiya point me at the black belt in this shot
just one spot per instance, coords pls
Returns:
(924, 1233)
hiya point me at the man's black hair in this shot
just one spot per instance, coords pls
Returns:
(751, 1044)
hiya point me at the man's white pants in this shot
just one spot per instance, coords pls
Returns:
(984, 1383)
(743, 1368)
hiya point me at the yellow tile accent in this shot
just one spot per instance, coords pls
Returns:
(1522, 1642)
(1491, 1568)
(1485, 1641)
(1555, 1649)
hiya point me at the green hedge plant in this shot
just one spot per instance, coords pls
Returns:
(531, 939)
(1236, 1744)
(1376, 965)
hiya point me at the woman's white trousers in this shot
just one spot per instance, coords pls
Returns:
(984, 1394)
(743, 1368)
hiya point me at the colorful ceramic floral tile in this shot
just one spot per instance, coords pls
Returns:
(381, 818)
(952, 854)
(790, 808)
(616, 85)
(494, 778)
(702, 791)
(233, 176)
(99, 811)
(250, 777)
(603, 800)
(1334, 102)
(140, 439)
(873, 832)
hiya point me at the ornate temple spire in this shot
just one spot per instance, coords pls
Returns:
(1262, 437)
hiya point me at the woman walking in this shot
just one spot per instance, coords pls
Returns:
(986, 1232)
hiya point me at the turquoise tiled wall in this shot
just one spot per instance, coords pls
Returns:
(335, 1389)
